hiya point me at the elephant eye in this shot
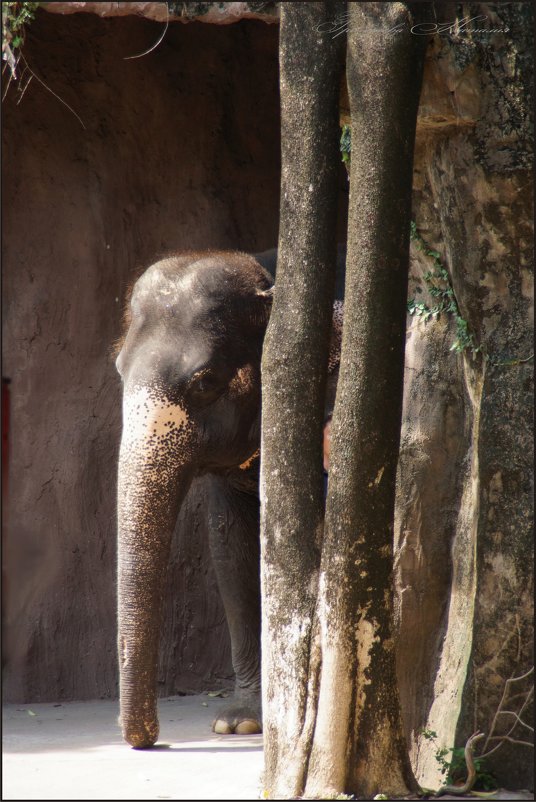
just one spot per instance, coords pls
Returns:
(205, 386)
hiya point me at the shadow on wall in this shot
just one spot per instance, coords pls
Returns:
(180, 149)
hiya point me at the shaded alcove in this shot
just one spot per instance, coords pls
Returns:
(177, 149)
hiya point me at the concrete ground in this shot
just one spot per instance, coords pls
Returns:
(75, 751)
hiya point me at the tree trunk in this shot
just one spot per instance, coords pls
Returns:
(294, 369)
(332, 713)
(359, 744)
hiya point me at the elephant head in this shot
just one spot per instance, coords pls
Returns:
(190, 366)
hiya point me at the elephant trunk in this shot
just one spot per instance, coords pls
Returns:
(154, 476)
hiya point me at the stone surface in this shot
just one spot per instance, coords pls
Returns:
(178, 151)
(75, 751)
(217, 13)
(464, 560)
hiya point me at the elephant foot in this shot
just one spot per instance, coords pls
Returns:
(240, 718)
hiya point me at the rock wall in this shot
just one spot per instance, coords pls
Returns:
(176, 149)
(218, 13)
(179, 149)
(464, 531)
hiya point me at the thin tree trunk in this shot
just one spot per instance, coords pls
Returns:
(359, 745)
(294, 379)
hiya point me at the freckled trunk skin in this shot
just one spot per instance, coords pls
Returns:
(152, 483)
(139, 613)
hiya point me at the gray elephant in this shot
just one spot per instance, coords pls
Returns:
(190, 365)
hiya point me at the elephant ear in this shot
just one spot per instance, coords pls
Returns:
(262, 306)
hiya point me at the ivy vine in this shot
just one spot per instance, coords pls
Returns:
(438, 284)
(15, 16)
(440, 288)
(345, 146)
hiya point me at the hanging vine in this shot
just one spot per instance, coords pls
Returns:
(15, 17)
(439, 286)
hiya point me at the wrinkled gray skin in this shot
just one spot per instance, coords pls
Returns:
(190, 366)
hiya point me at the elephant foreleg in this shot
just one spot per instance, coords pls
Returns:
(233, 523)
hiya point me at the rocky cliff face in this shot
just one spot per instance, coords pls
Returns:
(464, 542)
(217, 13)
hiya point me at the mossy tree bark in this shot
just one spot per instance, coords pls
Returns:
(331, 706)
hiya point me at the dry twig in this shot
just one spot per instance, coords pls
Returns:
(507, 736)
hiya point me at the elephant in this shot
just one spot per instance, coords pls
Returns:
(189, 359)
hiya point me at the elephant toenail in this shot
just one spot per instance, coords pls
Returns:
(222, 727)
(248, 727)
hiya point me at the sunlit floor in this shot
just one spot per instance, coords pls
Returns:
(75, 751)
